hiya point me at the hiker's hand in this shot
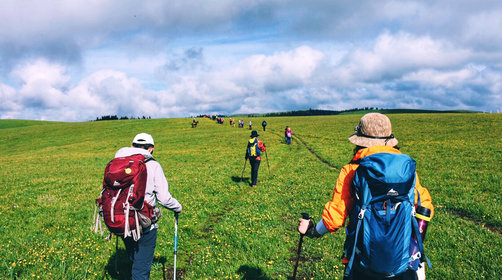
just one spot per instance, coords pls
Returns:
(304, 225)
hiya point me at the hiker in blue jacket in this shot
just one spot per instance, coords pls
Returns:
(157, 190)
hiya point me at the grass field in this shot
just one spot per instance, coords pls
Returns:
(51, 173)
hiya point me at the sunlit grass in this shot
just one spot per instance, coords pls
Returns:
(51, 175)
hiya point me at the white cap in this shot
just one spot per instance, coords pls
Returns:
(142, 139)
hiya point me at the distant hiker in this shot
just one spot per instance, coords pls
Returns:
(250, 125)
(288, 134)
(140, 252)
(378, 191)
(264, 124)
(253, 152)
(194, 123)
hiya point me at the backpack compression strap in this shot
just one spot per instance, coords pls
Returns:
(360, 217)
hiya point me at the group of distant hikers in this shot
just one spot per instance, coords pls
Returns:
(378, 191)
(231, 121)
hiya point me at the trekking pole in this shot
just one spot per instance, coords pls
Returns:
(266, 156)
(242, 173)
(116, 252)
(305, 216)
(175, 241)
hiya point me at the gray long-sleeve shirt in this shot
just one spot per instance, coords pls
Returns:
(157, 188)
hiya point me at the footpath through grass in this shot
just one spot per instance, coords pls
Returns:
(52, 173)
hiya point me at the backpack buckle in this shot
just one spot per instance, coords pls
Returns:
(415, 257)
(360, 216)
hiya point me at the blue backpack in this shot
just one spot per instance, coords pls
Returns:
(253, 150)
(379, 234)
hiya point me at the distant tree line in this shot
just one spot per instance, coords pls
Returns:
(115, 117)
(318, 112)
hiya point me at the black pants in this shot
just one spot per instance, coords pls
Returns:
(358, 274)
(255, 165)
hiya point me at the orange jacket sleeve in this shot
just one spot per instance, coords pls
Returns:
(425, 196)
(336, 210)
(261, 146)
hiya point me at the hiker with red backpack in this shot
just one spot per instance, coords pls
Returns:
(378, 191)
(133, 183)
(253, 152)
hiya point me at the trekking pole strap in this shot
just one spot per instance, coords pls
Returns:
(97, 221)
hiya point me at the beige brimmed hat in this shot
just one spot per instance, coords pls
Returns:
(374, 129)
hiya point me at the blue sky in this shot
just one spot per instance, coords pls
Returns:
(78, 60)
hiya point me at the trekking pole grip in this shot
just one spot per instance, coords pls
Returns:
(305, 216)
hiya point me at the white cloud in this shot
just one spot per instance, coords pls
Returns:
(483, 29)
(391, 55)
(42, 84)
(447, 79)
(77, 60)
(278, 72)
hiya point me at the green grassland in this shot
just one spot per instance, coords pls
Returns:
(51, 173)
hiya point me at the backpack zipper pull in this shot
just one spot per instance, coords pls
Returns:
(361, 213)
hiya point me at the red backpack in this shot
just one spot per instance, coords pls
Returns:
(122, 203)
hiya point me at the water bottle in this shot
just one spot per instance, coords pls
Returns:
(423, 216)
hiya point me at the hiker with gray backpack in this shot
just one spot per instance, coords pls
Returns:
(133, 184)
(379, 191)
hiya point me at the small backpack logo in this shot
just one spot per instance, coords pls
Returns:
(392, 192)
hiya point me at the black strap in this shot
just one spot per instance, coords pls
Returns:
(375, 137)
(387, 138)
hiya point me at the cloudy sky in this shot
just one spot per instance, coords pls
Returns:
(77, 60)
